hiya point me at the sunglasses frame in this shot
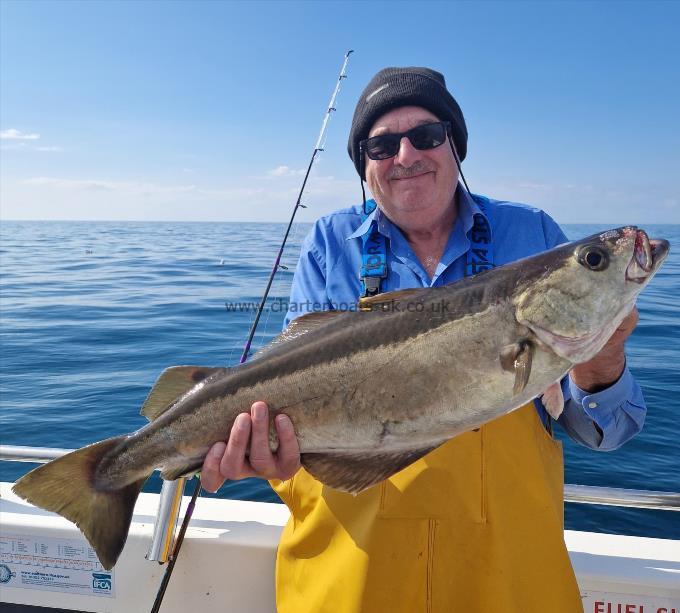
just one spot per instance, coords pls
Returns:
(447, 132)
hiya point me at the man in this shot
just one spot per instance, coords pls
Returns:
(476, 525)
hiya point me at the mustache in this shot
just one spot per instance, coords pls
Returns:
(401, 172)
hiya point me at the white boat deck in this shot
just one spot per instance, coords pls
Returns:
(227, 563)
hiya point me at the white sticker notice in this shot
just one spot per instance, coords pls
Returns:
(58, 565)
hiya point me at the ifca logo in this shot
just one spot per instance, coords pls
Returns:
(101, 581)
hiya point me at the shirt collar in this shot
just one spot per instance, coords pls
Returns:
(366, 225)
(467, 209)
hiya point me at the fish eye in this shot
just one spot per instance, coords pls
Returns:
(593, 258)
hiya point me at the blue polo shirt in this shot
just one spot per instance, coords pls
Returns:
(327, 277)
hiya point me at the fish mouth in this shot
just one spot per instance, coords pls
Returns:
(647, 257)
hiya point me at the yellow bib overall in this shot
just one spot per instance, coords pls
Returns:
(475, 526)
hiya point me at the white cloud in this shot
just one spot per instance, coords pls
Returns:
(624, 202)
(544, 187)
(285, 171)
(14, 146)
(251, 199)
(123, 187)
(14, 134)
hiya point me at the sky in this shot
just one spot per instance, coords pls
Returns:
(209, 111)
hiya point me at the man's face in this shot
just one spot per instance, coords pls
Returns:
(412, 182)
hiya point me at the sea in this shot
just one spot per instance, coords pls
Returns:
(92, 312)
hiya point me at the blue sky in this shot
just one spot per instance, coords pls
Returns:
(209, 111)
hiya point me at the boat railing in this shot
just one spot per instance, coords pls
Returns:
(167, 516)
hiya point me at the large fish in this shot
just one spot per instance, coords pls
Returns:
(371, 391)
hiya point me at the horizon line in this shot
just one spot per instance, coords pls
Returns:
(3, 219)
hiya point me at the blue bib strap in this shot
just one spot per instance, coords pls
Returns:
(374, 249)
(480, 255)
(373, 256)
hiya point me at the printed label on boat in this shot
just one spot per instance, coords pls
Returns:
(611, 602)
(54, 564)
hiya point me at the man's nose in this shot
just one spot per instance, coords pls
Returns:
(407, 154)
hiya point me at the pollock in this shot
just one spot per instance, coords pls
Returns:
(373, 390)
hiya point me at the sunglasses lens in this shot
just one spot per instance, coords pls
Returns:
(383, 147)
(428, 136)
(424, 137)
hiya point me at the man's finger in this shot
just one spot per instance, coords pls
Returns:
(233, 460)
(211, 480)
(261, 458)
(288, 455)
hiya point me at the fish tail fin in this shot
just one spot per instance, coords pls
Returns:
(67, 486)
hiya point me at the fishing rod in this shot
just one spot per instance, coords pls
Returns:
(318, 148)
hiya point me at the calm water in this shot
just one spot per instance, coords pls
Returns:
(91, 313)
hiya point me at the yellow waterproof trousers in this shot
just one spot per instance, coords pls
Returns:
(475, 526)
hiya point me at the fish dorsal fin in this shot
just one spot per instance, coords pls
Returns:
(382, 301)
(173, 383)
(298, 327)
(354, 472)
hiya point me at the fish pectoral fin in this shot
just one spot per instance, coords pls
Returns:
(523, 367)
(553, 400)
(516, 358)
(354, 472)
(184, 470)
(173, 383)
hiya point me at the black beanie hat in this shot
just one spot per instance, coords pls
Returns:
(412, 86)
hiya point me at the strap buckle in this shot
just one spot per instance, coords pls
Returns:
(371, 286)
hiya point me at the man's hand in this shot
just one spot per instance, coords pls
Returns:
(606, 367)
(228, 460)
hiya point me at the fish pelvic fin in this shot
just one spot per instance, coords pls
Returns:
(355, 472)
(553, 400)
(185, 470)
(67, 486)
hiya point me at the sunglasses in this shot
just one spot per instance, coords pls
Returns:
(427, 136)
